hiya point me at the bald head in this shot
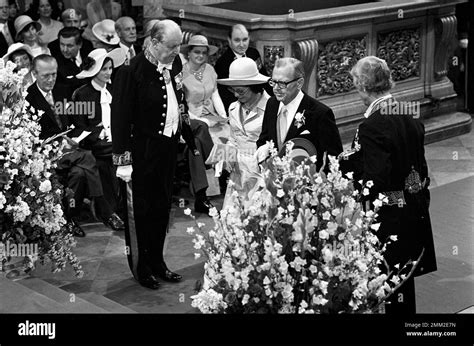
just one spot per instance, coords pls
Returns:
(238, 39)
(126, 30)
(166, 37)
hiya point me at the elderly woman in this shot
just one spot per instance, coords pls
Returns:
(200, 87)
(21, 55)
(388, 155)
(98, 67)
(27, 32)
(245, 119)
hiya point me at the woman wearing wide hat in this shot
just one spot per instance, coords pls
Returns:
(96, 95)
(245, 119)
(27, 32)
(105, 35)
(21, 55)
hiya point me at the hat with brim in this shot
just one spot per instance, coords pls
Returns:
(15, 47)
(199, 41)
(117, 55)
(22, 22)
(302, 149)
(148, 26)
(242, 72)
(105, 32)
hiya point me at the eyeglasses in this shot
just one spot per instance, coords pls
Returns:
(240, 91)
(280, 84)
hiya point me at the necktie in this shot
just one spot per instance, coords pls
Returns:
(49, 98)
(131, 52)
(281, 126)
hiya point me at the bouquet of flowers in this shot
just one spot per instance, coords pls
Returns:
(30, 194)
(299, 243)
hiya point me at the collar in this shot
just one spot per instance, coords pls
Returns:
(237, 55)
(97, 87)
(375, 105)
(292, 106)
(125, 47)
(44, 93)
(159, 66)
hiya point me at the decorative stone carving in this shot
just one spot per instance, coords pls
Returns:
(270, 55)
(445, 31)
(401, 50)
(307, 52)
(187, 35)
(335, 61)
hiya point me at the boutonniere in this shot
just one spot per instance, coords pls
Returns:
(179, 80)
(299, 119)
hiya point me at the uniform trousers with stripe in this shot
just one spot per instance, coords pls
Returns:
(148, 202)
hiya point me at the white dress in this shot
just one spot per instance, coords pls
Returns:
(244, 132)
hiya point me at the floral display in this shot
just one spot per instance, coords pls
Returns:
(30, 193)
(298, 243)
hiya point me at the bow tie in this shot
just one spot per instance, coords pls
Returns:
(162, 66)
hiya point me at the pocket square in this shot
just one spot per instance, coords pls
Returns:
(305, 132)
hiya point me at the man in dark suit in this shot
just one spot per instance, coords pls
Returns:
(149, 115)
(388, 149)
(238, 39)
(7, 29)
(69, 59)
(77, 168)
(127, 31)
(291, 113)
(71, 18)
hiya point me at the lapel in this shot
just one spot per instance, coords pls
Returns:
(272, 119)
(44, 105)
(235, 114)
(294, 130)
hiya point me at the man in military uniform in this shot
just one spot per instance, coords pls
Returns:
(149, 113)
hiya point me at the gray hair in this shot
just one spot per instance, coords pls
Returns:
(46, 58)
(297, 65)
(162, 27)
(119, 23)
(372, 75)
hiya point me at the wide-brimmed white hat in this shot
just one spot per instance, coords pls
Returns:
(105, 32)
(243, 71)
(117, 55)
(16, 47)
(199, 41)
(21, 22)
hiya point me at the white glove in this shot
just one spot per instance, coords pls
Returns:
(124, 173)
(262, 153)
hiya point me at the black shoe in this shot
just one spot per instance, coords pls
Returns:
(115, 223)
(202, 206)
(149, 282)
(169, 276)
(76, 230)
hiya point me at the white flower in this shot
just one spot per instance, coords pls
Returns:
(266, 281)
(326, 215)
(291, 208)
(200, 224)
(190, 230)
(280, 193)
(197, 255)
(393, 237)
(213, 212)
(365, 192)
(323, 234)
(369, 184)
(350, 175)
(319, 300)
(3, 200)
(375, 226)
(45, 186)
(187, 211)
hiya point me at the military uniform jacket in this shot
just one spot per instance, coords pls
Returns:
(139, 105)
(390, 150)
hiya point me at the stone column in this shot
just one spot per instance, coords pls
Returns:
(307, 52)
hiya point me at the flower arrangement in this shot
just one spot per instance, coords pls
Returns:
(30, 193)
(298, 243)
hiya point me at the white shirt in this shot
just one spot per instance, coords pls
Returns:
(78, 59)
(127, 50)
(44, 93)
(292, 108)
(105, 100)
(375, 104)
(172, 111)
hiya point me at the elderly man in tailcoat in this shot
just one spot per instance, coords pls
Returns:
(149, 113)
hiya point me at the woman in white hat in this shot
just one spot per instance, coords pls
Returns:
(105, 35)
(20, 54)
(200, 87)
(245, 119)
(27, 32)
(95, 118)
